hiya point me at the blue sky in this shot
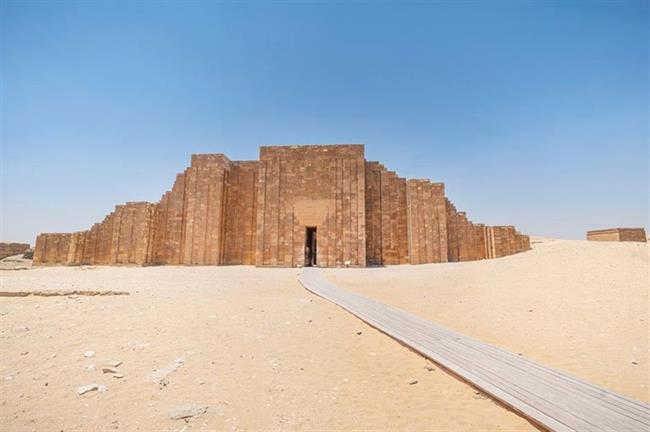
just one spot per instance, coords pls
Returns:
(532, 113)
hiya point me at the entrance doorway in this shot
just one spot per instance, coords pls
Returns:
(311, 247)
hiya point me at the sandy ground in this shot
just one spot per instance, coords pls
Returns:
(578, 306)
(260, 351)
(15, 262)
(264, 354)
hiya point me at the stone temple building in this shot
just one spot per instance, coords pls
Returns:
(322, 205)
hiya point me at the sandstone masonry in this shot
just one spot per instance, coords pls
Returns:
(297, 205)
(618, 234)
(10, 249)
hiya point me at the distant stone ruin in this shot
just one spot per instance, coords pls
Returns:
(11, 249)
(618, 234)
(319, 205)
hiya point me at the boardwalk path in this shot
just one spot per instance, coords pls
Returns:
(545, 396)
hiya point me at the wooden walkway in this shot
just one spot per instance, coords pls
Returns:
(546, 397)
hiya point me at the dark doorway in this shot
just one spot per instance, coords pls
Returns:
(311, 247)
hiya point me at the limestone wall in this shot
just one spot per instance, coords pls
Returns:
(189, 220)
(427, 222)
(51, 248)
(618, 234)
(457, 237)
(453, 250)
(373, 213)
(632, 234)
(505, 240)
(257, 212)
(480, 241)
(311, 186)
(240, 213)
(386, 216)
(123, 237)
(202, 230)
(169, 224)
(466, 239)
(10, 249)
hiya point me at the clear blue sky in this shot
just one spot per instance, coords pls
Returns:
(532, 113)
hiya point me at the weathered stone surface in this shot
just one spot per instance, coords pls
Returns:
(386, 216)
(91, 387)
(257, 212)
(311, 186)
(160, 375)
(240, 213)
(11, 249)
(428, 223)
(618, 234)
(187, 411)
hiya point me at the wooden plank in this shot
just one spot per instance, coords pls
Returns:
(545, 396)
(468, 359)
(488, 361)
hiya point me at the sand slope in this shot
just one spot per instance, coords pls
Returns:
(264, 354)
(258, 349)
(579, 306)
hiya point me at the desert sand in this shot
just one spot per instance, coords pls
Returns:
(15, 262)
(262, 353)
(578, 306)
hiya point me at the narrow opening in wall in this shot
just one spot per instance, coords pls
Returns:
(311, 246)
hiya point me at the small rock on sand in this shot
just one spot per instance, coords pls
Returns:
(89, 354)
(91, 387)
(114, 363)
(87, 388)
(187, 411)
(413, 381)
(160, 375)
(109, 370)
(429, 368)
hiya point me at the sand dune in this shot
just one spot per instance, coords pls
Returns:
(256, 348)
(261, 353)
(579, 306)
